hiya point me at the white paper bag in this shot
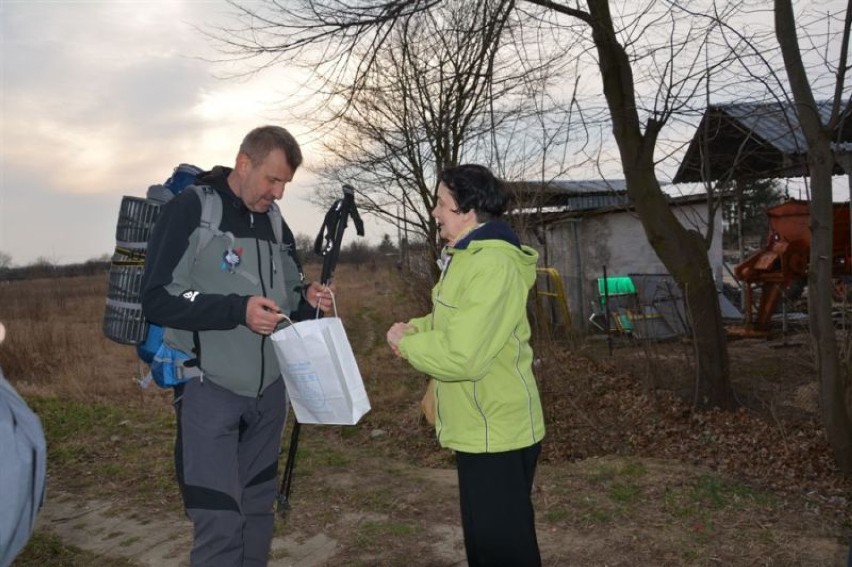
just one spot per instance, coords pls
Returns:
(321, 373)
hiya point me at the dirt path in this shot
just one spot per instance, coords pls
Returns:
(612, 511)
(104, 528)
(101, 528)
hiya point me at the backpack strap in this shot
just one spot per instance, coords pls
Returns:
(211, 216)
(286, 244)
(277, 222)
(284, 237)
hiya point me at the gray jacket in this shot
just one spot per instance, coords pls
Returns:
(23, 469)
(201, 300)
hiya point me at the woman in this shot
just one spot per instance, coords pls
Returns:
(475, 345)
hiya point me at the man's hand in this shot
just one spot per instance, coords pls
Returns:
(262, 315)
(320, 296)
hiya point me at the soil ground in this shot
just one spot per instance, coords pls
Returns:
(630, 473)
(627, 478)
(417, 522)
(600, 511)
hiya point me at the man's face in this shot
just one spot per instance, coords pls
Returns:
(264, 183)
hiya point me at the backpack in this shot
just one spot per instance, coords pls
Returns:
(124, 321)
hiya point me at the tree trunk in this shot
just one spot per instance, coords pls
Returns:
(712, 386)
(833, 383)
(682, 251)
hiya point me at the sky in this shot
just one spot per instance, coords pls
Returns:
(102, 98)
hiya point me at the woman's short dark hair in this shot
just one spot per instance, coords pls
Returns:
(475, 188)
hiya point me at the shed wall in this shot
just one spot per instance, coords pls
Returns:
(579, 248)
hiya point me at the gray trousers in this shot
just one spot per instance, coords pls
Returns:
(226, 460)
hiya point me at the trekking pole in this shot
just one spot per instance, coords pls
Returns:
(331, 232)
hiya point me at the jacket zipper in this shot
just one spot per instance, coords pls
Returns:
(263, 291)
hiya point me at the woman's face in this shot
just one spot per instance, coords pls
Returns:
(451, 223)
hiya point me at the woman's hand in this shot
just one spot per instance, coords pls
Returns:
(395, 334)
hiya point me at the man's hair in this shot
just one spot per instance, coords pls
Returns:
(259, 142)
(475, 188)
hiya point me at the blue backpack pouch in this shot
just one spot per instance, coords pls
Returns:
(168, 367)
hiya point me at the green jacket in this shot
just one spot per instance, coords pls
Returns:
(475, 344)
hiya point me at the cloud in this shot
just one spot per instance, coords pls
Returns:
(103, 98)
(98, 90)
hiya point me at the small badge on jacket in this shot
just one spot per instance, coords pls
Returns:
(231, 259)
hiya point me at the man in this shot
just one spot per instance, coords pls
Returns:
(221, 303)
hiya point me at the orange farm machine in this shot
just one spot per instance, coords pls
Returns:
(785, 256)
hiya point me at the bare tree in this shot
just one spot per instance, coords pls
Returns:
(427, 100)
(835, 390)
(437, 88)
(636, 131)
(650, 65)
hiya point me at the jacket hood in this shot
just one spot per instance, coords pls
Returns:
(217, 178)
(491, 230)
(498, 234)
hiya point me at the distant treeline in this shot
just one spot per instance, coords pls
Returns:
(356, 252)
(45, 270)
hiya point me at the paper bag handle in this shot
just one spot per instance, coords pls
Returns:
(333, 302)
(287, 318)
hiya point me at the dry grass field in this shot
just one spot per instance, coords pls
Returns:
(630, 475)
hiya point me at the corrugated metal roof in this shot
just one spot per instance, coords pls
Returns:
(591, 202)
(774, 123)
(587, 185)
(572, 195)
(555, 214)
(753, 140)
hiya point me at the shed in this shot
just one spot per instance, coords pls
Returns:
(582, 228)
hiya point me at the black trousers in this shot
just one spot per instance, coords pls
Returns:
(496, 508)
